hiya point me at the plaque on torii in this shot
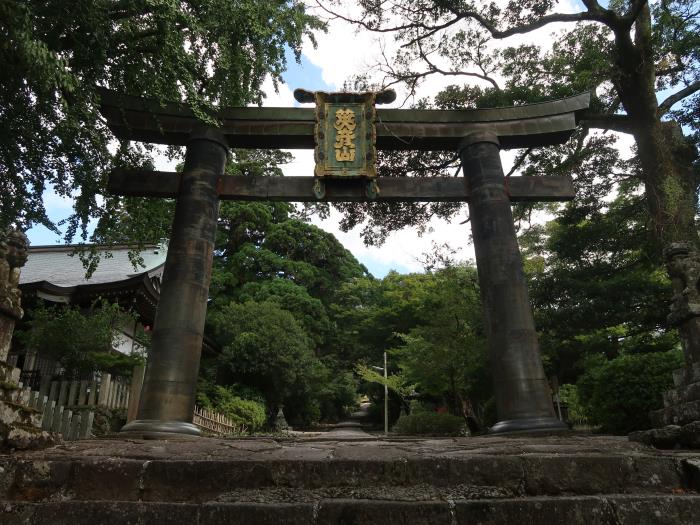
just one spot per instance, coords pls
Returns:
(343, 129)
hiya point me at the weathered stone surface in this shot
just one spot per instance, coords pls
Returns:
(385, 512)
(102, 513)
(691, 470)
(690, 435)
(9, 374)
(46, 480)
(591, 511)
(29, 437)
(679, 414)
(487, 480)
(263, 514)
(608, 510)
(670, 436)
(228, 470)
(599, 474)
(666, 437)
(659, 510)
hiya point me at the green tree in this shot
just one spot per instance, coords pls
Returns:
(369, 312)
(81, 341)
(55, 57)
(265, 348)
(445, 355)
(596, 281)
(628, 53)
(619, 394)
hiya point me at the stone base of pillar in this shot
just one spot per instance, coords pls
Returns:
(682, 403)
(20, 425)
(528, 425)
(678, 423)
(155, 428)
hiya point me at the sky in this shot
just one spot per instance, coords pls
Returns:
(341, 53)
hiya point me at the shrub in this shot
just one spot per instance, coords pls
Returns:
(620, 393)
(243, 411)
(577, 412)
(431, 424)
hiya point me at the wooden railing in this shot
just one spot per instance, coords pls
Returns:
(68, 407)
(215, 423)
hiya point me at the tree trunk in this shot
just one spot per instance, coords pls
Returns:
(666, 159)
(670, 185)
(665, 156)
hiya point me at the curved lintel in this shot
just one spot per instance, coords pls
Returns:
(528, 125)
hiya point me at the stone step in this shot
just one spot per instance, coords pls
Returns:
(608, 510)
(187, 480)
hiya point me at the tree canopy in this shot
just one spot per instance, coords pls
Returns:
(639, 61)
(56, 55)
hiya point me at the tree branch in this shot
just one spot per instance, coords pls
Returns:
(621, 123)
(519, 162)
(688, 90)
(435, 69)
(371, 27)
(636, 7)
(591, 15)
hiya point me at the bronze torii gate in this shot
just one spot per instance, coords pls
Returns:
(523, 398)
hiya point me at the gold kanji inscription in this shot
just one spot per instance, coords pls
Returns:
(345, 135)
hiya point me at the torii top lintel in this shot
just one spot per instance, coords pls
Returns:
(530, 125)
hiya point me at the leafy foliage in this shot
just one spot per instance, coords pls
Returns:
(639, 61)
(445, 355)
(55, 57)
(82, 342)
(429, 424)
(395, 382)
(247, 412)
(597, 282)
(569, 395)
(620, 393)
(431, 325)
(263, 346)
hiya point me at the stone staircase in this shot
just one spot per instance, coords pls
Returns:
(465, 481)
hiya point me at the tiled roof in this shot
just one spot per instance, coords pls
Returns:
(58, 266)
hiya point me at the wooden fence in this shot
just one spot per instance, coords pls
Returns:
(215, 423)
(68, 407)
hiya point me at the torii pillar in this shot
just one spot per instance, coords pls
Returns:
(170, 384)
(523, 399)
(522, 394)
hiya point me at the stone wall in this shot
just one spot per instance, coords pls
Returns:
(20, 425)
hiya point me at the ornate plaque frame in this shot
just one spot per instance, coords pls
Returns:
(345, 135)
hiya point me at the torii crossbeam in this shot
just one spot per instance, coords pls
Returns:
(522, 394)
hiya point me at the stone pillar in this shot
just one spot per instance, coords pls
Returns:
(523, 400)
(682, 403)
(20, 425)
(169, 389)
(13, 255)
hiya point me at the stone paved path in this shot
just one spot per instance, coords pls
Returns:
(351, 428)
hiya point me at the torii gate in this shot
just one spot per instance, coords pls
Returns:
(522, 393)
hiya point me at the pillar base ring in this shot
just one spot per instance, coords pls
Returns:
(530, 424)
(159, 428)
